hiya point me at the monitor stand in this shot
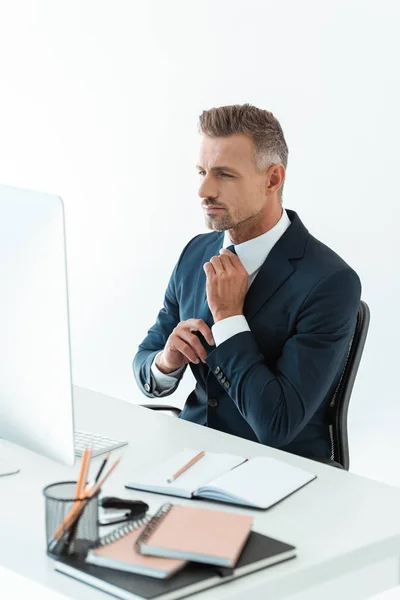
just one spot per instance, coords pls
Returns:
(7, 465)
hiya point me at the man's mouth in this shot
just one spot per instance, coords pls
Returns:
(212, 209)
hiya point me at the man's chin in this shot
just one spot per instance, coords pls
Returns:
(216, 224)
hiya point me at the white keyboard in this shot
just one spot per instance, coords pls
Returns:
(99, 443)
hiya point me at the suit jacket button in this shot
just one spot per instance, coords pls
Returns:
(213, 402)
(147, 387)
(217, 370)
(227, 384)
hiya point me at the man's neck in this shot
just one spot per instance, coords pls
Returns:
(251, 229)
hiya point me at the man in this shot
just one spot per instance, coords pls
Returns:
(264, 325)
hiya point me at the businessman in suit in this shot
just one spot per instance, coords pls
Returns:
(261, 310)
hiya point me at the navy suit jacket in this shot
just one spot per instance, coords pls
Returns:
(272, 384)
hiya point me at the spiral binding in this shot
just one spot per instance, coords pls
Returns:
(152, 525)
(122, 531)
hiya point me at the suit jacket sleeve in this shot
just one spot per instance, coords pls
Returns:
(157, 336)
(278, 401)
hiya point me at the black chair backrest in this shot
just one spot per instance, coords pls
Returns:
(338, 409)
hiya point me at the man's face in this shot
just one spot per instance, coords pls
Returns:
(232, 190)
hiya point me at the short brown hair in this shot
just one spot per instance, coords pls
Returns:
(260, 125)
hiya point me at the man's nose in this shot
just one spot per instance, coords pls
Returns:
(208, 189)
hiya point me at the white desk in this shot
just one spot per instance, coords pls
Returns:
(346, 528)
(15, 586)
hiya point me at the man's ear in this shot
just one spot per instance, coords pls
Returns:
(275, 178)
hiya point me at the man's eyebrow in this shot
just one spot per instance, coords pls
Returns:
(219, 169)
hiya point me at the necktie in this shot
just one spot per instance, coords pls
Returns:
(231, 248)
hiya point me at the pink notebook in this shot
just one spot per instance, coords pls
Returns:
(197, 534)
(120, 553)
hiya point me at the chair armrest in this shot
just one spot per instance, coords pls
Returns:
(176, 411)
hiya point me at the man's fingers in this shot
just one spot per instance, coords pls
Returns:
(229, 258)
(217, 263)
(197, 325)
(206, 332)
(185, 348)
(193, 325)
(209, 269)
(189, 345)
(193, 341)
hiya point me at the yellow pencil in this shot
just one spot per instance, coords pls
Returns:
(78, 508)
(85, 471)
(80, 476)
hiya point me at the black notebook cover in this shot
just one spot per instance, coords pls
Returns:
(259, 552)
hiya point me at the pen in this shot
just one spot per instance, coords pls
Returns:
(103, 464)
(91, 484)
(186, 467)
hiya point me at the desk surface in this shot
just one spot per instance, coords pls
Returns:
(339, 523)
(14, 587)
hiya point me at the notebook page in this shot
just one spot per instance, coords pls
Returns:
(211, 466)
(259, 482)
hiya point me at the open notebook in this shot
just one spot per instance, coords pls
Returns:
(259, 482)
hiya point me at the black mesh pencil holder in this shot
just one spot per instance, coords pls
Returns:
(71, 525)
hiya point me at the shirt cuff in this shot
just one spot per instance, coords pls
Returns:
(227, 328)
(164, 381)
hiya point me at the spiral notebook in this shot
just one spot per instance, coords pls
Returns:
(118, 551)
(259, 552)
(204, 535)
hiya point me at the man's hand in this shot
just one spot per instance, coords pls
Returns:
(183, 346)
(227, 281)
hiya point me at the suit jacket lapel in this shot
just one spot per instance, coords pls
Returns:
(272, 274)
(277, 267)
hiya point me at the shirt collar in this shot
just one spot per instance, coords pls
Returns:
(254, 252)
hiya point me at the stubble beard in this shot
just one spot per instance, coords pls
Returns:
(219, 223)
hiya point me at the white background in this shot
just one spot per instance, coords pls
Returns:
(99, 104)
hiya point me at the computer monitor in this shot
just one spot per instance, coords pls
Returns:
(36, 402)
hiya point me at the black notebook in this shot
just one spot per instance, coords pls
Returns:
(260, 552)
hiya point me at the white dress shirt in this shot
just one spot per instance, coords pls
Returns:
(252, 255)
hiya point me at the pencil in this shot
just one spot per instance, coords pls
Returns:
(80, 488)
(80, 476)
(85, 471)
(78, 508)
(186, 467)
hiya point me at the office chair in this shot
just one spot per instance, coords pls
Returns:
(339, 406)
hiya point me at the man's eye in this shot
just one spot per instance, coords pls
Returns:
(202, 173)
